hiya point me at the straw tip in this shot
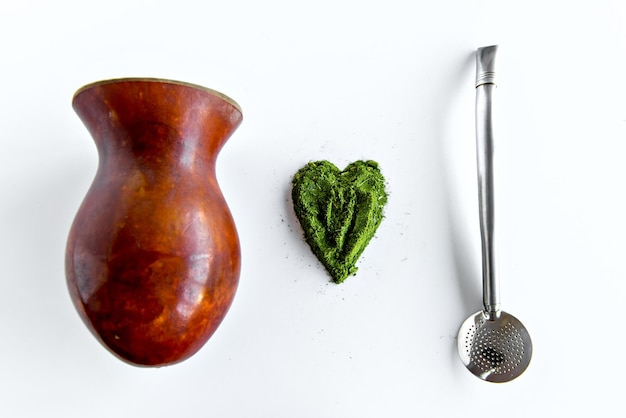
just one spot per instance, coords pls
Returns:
(485, 64)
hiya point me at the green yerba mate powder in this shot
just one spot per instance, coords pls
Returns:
(339, 211)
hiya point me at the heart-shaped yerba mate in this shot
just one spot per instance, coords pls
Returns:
(339, 211)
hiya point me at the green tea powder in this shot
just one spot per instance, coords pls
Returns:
(339, 211)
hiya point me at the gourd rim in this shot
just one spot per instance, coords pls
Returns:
(162, 81)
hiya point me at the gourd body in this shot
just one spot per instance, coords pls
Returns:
(153, 256)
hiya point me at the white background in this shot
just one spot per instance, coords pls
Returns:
(338, 80)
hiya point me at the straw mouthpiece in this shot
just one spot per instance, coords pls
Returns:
(485, 64)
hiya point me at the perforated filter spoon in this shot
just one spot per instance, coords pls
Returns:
(493, 344)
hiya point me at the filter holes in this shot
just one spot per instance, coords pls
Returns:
(498, 351)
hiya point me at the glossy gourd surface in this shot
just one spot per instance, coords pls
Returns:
(153, 255)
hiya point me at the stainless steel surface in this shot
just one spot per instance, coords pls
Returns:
(485, 63)
(496, 350)
(492, 344)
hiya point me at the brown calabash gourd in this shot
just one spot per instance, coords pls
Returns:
(153, 256)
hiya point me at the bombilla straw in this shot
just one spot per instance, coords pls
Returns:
(485, 84)
(493, 345)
